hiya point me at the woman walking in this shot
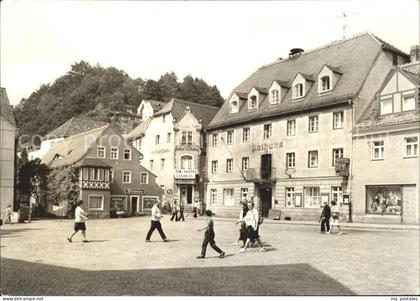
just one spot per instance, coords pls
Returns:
(209, 237)
(335, 212)
(251, 220)
(242, 229)
(79, 222)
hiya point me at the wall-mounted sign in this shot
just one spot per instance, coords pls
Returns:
(137, 191)
(266, 146)
(346, 199)
(185, 173)
(161, 151)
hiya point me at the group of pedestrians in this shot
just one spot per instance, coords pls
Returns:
(326, 215)
(178, 211)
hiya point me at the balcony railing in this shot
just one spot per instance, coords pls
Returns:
(94, 184)
(260, 175)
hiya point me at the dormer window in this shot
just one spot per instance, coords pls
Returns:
(252, 105)
(325, 84)
(298, 91)
(274, 97)
(234, 107)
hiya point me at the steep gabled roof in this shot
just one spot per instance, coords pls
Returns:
(74, 126)
(5, 107)
(353, 58)
(140, 130)
(177, 108)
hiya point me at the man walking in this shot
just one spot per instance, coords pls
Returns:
(324, 219)
(8, 212)
(155, 222)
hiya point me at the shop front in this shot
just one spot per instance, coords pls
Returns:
(186, 185)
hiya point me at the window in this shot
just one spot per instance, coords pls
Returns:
(100, 152)
(290, 197)
(337, 195)
(186, 138)
(163, 118)
(252, 104)
(213, 196)
(312, 197)
(230, 137)
(228, 197)
(186, 162)
(267, 131)
(229, 165)
(290, 160)
(384, 200)
(157, 139)
(144, 178)
(96, 202)
(411, 146)
(126, 177)
(291, 127)
(162, 163)
(298, 91)
(338, 120)
(214, 166)
(127, 154)
(111, 175)
(325, 84)
(246, 134)
(244, 193)
(337, 153)
(386, 106)
(313, 124)
(408, 103)
(214, 139)
(234, 107)
(274, 97)
(114, 153)
(245, 163)
(151, 164)
(168, 137)
(378, 150)
(313, 159)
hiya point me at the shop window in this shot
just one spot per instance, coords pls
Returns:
(411, 146)
(118, 202)
(290, 197)
(228, 197)
(96, 202)
(291, 127)
(312, 197)
(384, 200)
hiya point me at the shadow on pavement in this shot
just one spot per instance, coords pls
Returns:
(9, 231)
(28, 278)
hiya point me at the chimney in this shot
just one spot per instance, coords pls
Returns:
(294, 52)
(414, 53)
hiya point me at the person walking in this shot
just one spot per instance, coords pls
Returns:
(8, 212)
(251, 220)
(174, 212)
(324, 219)
(79, 222)
(242, 229)
(335, 212)
(181, 211)
(209, 237)
(195, 208)
(155, 222)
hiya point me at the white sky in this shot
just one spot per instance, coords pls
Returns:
(221, 42)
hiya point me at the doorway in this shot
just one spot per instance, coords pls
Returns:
(266, 166)
(265, 195)
(186, 194)
(134, 200)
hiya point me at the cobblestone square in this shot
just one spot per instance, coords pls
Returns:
(37, 259)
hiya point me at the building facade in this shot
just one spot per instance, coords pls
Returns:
(110, 174)
(284, 137)
(173, 145)
(7, 151)
(386, 151)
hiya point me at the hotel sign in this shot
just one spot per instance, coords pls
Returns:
(185, 174)
(264, 147)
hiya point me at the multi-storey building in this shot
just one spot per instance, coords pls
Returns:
(284, 135)
(110, 174)
(386, 150)
(7, 151)
(173, 145)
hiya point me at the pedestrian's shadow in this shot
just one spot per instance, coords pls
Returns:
(217, 256)
(96, 240)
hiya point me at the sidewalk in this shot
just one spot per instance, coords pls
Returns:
(344, 225)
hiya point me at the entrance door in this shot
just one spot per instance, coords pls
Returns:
(266, 166)
(265, 195)
(186, 194)
(134, 202)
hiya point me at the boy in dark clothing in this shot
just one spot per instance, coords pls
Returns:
(209, 237)
(324, 219)
(181, 211)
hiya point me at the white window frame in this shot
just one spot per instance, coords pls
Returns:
(337, 195)
(289, 127)
(123, 176)
(114, 151)
(228, 200)
(274, 96)
(379, 147)
(403, 105)
(322, 89)
(103, 149)
(314, 199)
(313, 126)
(185, 156)
(270, 131)
(338, 123)
(336, 151)
(214, 166)
(245, 163)
(251, 105)
(291, 160)
(290, 194)
(246, 137)
(234, 107)
(244, 193)
(310, 161)
(214, 139)
(387, 100)
(151, 163)
(229, 165)
(298, 93)
(230, 137)
(130, 152)
(141, 178)
(213, 196)
(412, 145)
(102, 202)
(162, 163)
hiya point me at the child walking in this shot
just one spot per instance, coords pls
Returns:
(79, 222)
(209, 237)
(335, 217)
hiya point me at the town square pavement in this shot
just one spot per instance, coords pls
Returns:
(37, 259)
